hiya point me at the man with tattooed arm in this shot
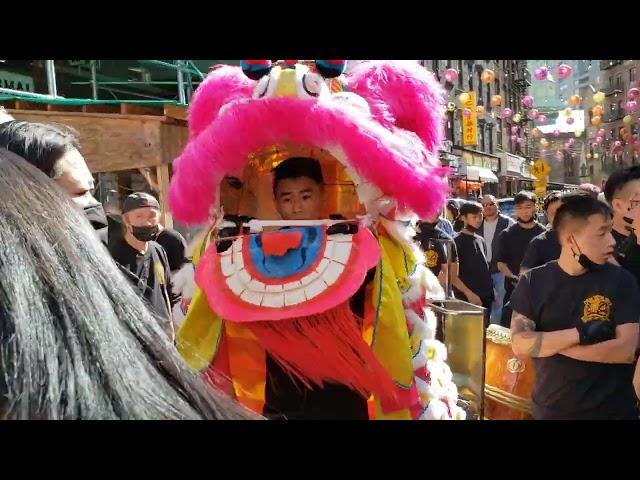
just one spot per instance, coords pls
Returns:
(577, 317)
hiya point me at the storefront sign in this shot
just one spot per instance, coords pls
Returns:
(470, 122)
(16, 81)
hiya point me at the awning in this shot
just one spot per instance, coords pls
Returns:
(481, 174)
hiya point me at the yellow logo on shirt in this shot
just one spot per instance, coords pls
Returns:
(596, 307)
(432, 258)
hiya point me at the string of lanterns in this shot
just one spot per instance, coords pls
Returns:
(562, 71)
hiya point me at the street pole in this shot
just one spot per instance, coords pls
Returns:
(51, 77)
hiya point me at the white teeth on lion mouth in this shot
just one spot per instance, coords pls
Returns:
(336, 255)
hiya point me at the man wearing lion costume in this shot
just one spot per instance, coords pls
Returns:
(314, 315)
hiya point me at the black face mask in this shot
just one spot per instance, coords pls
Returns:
(95, 214)
(583, 260)
(145, 234)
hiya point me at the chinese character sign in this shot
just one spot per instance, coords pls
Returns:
(470, 122)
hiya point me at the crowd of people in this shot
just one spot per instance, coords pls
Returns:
(87, 304)
(568, 291)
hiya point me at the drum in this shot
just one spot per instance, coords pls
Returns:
(508, 379)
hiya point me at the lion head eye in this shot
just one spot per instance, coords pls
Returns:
(312, 84)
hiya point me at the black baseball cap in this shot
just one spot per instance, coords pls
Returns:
(139, 200)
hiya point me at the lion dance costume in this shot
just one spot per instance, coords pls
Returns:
(286, 292)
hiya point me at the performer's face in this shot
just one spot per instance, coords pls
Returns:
(299, 198)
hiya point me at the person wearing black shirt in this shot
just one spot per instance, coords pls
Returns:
(433, 242)
(143, 261)
(513, 243)
(298, 188)
(545, 247)
(174, 245)
(473, 282)
(622, 192)
(577, 318)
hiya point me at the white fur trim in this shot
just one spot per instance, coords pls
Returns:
(436, 410)
(431, 284)
(183, 281)
(415, 291)
(412, 317)
(431, 323)
(420, 329)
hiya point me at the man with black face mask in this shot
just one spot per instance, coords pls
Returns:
(142, 259)
(622, 192)
(513, 243)
(577, 317)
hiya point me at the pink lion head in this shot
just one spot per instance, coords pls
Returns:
(385, 129)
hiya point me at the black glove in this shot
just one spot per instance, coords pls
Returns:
(223, 245)
(344, 228)
(596, 331)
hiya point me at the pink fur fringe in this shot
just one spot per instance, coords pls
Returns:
(395, 147)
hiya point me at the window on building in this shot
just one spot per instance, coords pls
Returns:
(591, 170)
(490, 138)
(499, 133)
(470, 78)
(619, 81)
(632, 74)
(620, 109)
(479, 79)
(460, 74)
(487, 104)
(449, 129)
(611, 82)
(481, 137)
(448, 64)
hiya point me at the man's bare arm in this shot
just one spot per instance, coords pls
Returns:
(526, 342)
(504, 269)
(636, 379)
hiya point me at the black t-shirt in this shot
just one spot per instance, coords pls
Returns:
(572, 389)
(152, 266)
(628, 255)
(433, 242)
(175, 246)
(513, 243)
(473, 267)
(542, 249)
(287, 398)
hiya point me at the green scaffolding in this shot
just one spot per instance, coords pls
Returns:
(188, 75)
